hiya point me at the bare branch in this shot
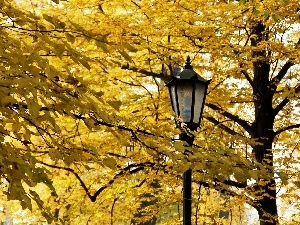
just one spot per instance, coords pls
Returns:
(218, 84)
(112, 211)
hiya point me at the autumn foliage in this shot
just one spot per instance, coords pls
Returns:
(87, 131)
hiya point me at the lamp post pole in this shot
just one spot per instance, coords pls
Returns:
(187, 185)
(187, 197)
(187, 92)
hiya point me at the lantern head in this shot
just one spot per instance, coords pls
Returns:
(187, 92)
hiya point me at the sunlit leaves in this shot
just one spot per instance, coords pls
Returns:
(78, 98)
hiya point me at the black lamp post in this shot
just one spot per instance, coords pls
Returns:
(188, 91)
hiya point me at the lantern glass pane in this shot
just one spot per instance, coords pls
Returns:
(173, 99)
(185, 95)
(199, 100)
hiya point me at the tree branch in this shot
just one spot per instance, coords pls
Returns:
(97, 122)
(218, 186)
(286, 128)
(235, 118)
(284, 69)
(131, 169)
(282, 73)
(284, 102)
(15, 28)
(162, 76)
(248, 78)
(222, 126)
(280, 106)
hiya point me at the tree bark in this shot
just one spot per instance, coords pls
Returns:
(263, 128)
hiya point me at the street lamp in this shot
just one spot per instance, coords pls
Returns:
(187, 92)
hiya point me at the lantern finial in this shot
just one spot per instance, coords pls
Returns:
(188, 63)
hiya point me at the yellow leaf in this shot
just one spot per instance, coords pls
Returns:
(129, 47)
(110, 162)
(115, 104)
(125, 55)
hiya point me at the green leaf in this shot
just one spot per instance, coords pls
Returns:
(8, 100)
(26, 202)
(276, 17)
(241, 175)
(178, 145)
(242, 2)
(253, 174)
(256, 12)
(48, 217)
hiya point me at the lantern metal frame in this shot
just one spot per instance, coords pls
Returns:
(190, 78)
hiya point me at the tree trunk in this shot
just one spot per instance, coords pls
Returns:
(268, 214)
(263, 133)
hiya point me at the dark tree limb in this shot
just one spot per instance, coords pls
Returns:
(286, 128)
(162, 76)
(284, 102)
(97, 122)
(282, 73)
(248, 78)
(234, 183)
(284, 69)
(131, 169)
(222, 126)
(235, 118)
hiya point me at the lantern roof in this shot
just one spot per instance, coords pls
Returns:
(187, 73)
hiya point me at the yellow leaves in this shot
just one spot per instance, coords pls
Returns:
(8, 100)
(115, 104)
(241, 175)
(253, 174)
(125, 55)
(70, 37)
(110, 162)
(103, 46)
(129, 47)
(55, 154)
(55, 21)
